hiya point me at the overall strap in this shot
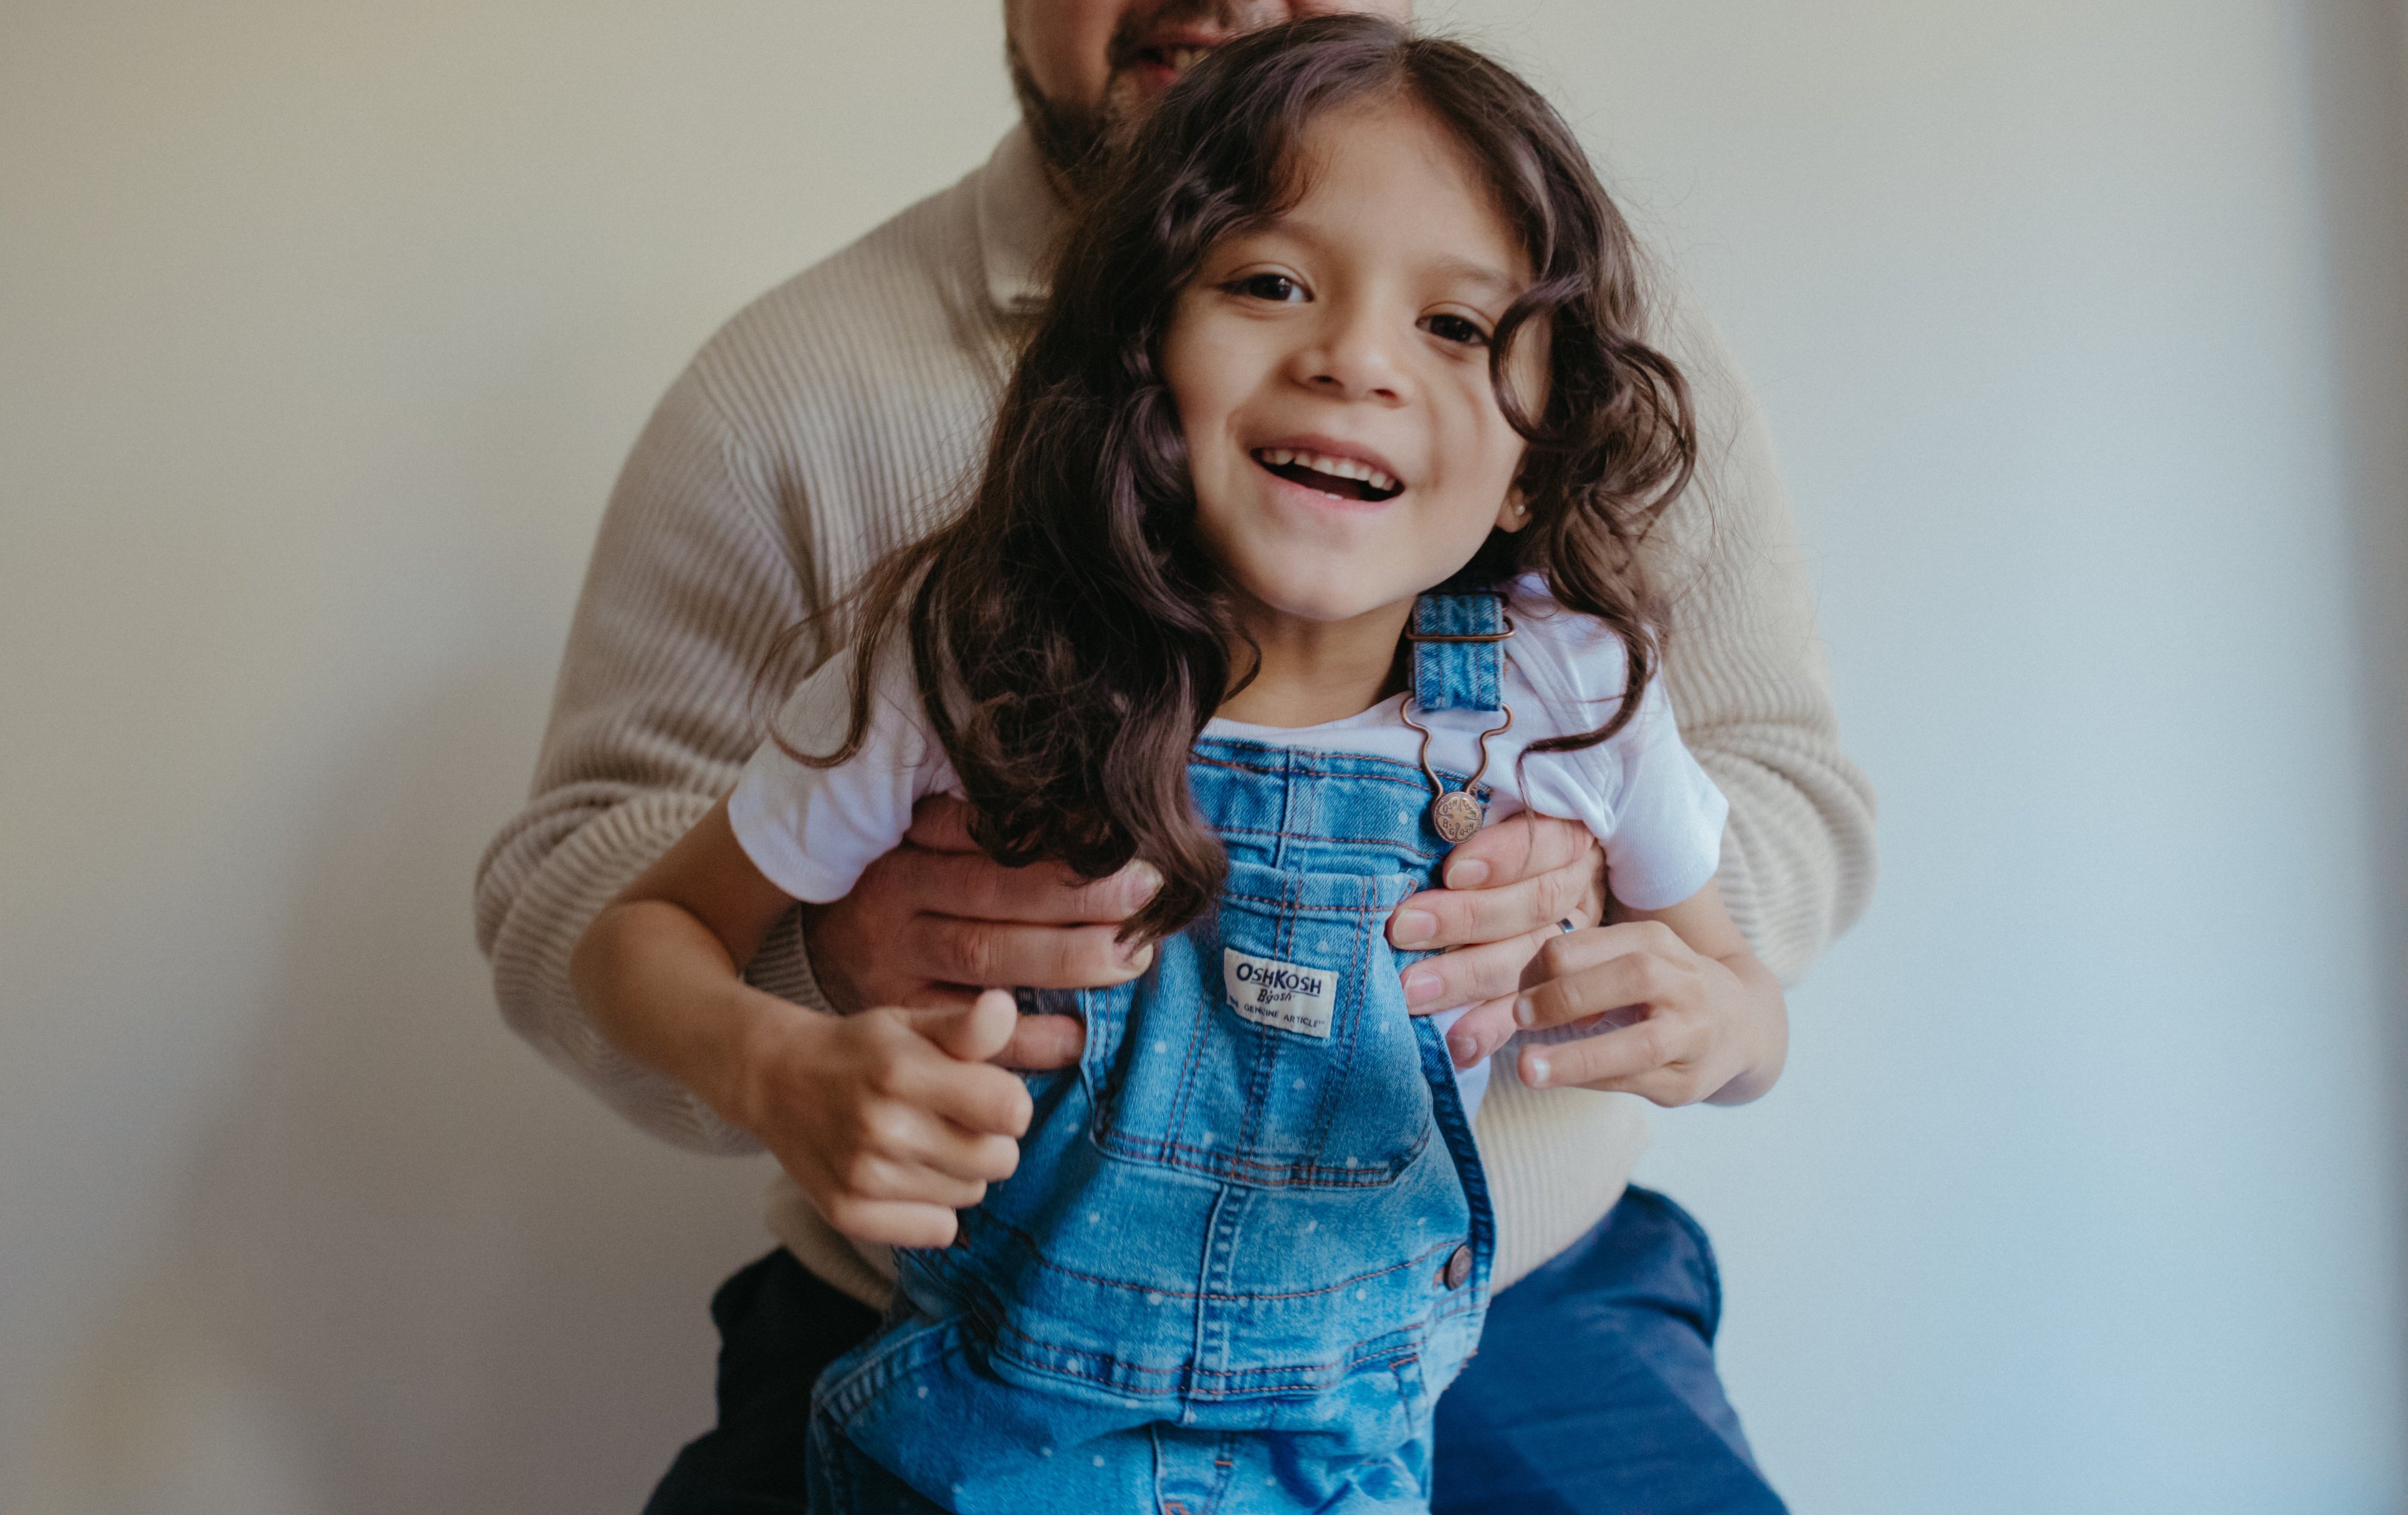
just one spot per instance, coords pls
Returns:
(1458, 664)
(1459, 650)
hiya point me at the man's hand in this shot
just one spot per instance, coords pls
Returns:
(935, 921)
(1508, 891)
(890, 1120)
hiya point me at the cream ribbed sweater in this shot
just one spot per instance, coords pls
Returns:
(821, 426)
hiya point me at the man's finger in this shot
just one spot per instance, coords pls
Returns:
(1518, 847)
(952, 949)
(1041, 1043)
(1468, 975)
(1467, 917)
(975, 887)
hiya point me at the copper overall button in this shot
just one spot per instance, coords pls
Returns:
(1457, 1271)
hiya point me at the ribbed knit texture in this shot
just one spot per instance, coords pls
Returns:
(830, 420)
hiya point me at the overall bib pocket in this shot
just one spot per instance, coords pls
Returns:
(1270, 1045)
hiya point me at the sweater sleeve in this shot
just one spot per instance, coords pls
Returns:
(694, 577)
(1745, 666)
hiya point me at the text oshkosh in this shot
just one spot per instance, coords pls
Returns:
(1284, 980)
(1279, 995)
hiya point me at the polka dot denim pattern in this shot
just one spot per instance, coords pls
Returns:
(1249, 1239)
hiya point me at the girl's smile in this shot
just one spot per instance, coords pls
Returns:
(1333, 470)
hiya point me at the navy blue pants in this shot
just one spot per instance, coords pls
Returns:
(1593, 1391)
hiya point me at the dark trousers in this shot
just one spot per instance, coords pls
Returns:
(1594, 1390)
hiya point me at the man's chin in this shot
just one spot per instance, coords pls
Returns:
(1075, 141)
(1069, 140)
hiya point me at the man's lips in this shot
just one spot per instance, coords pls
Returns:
(1160, 60)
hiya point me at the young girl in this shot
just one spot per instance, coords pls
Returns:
(1311, 535)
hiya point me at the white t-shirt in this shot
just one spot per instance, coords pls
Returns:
(813, 830)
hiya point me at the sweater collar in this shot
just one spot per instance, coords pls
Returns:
(1019, 218)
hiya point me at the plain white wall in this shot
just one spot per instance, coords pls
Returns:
(322, 329)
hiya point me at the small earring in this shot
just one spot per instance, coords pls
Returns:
(1520, 509)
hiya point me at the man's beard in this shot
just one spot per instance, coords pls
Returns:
(1075, 141)
(1068, 138)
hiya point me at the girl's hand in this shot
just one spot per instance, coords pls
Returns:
(1507, 892)
(1684, 1010)
(890, 1120)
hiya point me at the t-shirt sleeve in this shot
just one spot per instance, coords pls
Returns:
(1652, 807)
(811, 830)
(1666, 839)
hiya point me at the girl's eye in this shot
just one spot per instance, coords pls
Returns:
(1453, 328)
(1277, 288)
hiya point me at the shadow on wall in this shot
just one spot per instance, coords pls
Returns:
(2358, 56)
(409, 1267)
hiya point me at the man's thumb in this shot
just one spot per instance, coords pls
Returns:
(976, 1032)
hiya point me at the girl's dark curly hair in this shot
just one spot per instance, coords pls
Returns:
(1068, 634)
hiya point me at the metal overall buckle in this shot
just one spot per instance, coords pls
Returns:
(1455, 815)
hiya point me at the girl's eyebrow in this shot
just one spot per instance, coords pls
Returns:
(1464, 270)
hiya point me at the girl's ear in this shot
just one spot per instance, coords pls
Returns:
(1514, 513)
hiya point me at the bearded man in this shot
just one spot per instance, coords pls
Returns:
(821, 427)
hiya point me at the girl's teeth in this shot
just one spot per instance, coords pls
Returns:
(1281, 457)
(1181, 57)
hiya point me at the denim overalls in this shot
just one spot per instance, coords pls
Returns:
(1249, 1239)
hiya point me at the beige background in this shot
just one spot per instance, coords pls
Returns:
(323, 327)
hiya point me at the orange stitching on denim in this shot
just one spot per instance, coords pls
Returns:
(1244, 1382)
(1256, 1172)
(1354, 1281)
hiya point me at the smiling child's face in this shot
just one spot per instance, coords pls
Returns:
(1331, 375)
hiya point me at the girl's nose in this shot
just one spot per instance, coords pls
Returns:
(1352, 361)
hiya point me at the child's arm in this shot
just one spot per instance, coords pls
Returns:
(889, 1120)
(1690, 1013)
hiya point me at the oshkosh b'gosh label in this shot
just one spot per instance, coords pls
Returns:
(1279, 994)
